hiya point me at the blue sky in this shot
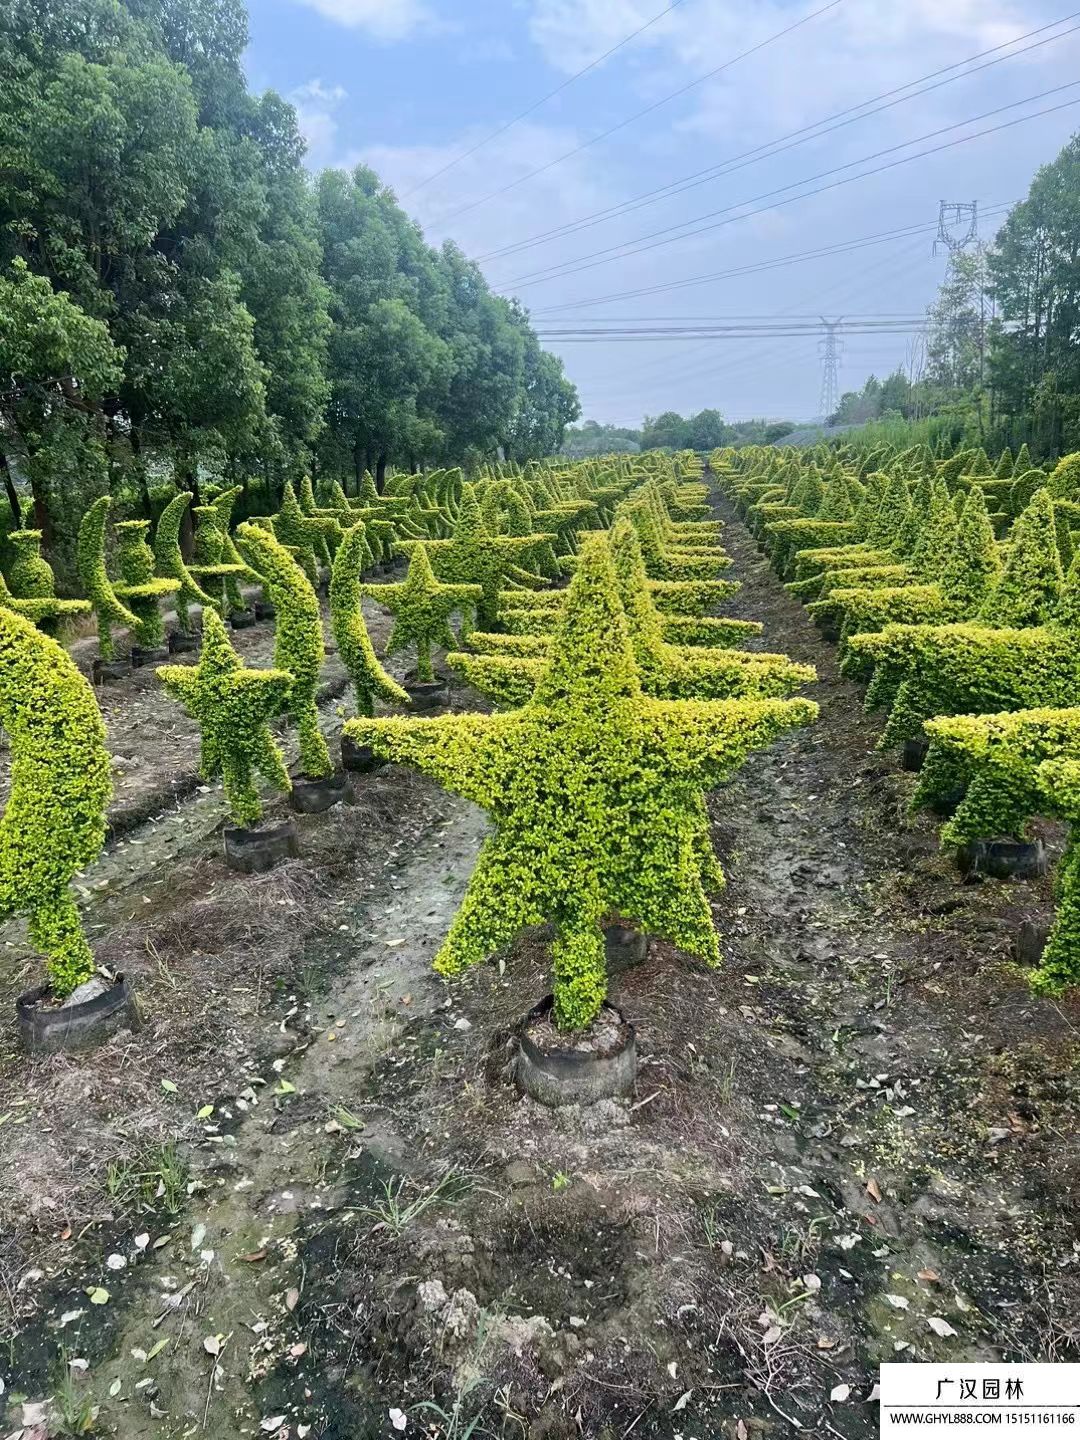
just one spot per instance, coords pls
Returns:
(409, 85)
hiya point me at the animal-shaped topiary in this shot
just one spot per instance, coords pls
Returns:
(421, 607)
(232, 707)
(355, 650)
(138, 587)
(298, 639)
(54, 821)
(596, 793)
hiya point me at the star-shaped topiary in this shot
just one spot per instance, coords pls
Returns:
(422, 606)
(473, 557)
(596, 792)
(232, 707)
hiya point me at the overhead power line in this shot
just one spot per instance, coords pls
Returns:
(638, 245)
(538, 104)
(804, 135)
(629, 120)
(840, 247)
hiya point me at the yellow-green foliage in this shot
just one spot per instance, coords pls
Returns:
(310, 533)
(33, 592)
(973, 567)
(138, 587)
(214, 565)
(900, 604)
(924, 670)
(298, 640)
(421, 607)
(596, 794)
(1012, 767)
(473, 557)
(357, 654)
(54, 822)
(1030, 585)
(788, 537)
(232, 707)
(170, 561)
(95, 577)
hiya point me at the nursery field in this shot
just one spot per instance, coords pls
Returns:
(308, 1196)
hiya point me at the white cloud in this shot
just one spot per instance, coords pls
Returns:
(383, 19)
(316, 105)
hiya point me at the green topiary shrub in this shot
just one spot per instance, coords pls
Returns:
(473, 557)
(95, 577)
(138, 587)
(1030, 585)
(596, 794)
(54, 821)
(1023, 489)
(31, 575)
(1064, 481)
(920, 671)
(211, 566)
(421, 607)
(972, 569)
(310, 533)
(298, 640)
(169, 560)
(370, 680)
(232, 707)
(937, 534)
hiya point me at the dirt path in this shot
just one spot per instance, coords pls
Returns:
(861, 1124)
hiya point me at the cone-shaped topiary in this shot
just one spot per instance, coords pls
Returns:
(232, 707)
(1024, 461)
(1006, 466)
(887, 525)
(138, 586)
(473, 557)
(973, 566)
(95, 576)
(938, 535)
(596, 793)
(54, 822)
(298, 639)
(370, 680)
(421, 607)
(1030, 585)
(169, 559)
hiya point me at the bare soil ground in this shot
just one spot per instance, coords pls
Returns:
(854, 1142)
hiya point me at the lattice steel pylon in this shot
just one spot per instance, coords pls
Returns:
(958, 225)
(831, 348)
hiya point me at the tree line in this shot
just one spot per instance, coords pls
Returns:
(707, 430)
(180, 298)
(1001, 365)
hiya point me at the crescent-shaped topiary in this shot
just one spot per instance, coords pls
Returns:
(95, 576)
(298, 639)
(355, 650)
(54, 821)
(170, 561)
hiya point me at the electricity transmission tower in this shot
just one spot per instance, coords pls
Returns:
(831, 348)
(958, 225)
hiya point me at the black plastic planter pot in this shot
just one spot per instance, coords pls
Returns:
(157, 656)
(1030, 942)
(829, 630)
(556, 1069)
(914, 754)
(264, 610)
(1003, 859)
(180, 643)
(624, 948)
(255, 851)
(427, 695)
(242, 619)
(312, 797)
(359, 759)
(106, 672)
(76, 1024)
